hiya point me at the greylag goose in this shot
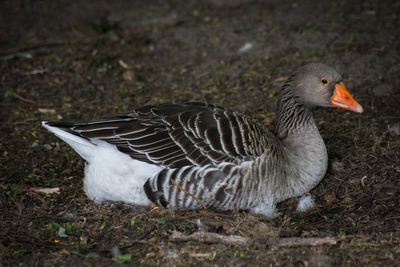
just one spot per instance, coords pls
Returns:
(194, 155)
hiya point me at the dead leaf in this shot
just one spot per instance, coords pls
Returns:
(47, 110)
(329, 198)
(226, 226)
(46, 191)
(185, 212)
(129, 75)
(123, 64)
(281, 79)
(64, 252)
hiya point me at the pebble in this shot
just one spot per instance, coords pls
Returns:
(48, 147)
(246, 47)
(70, 216)
(394, 130)
(115, 252)
(337, 165)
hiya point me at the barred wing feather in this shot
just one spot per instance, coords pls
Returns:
(177, 135)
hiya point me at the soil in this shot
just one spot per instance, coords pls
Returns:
(79, 60)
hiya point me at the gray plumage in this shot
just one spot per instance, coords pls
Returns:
(220, 159)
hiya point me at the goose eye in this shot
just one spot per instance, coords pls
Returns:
(324, 81)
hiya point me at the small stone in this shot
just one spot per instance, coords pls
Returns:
(199, 223)
(394, 130)
(337, 165)
(48, 147)
(70, 216)
(115, 252)
(246, 47)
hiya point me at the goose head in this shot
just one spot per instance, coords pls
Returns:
(318, 85)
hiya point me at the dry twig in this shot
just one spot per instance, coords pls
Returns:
(311, 241)
(46, 191)
(24, 99)
(208, 237)
(186, 192)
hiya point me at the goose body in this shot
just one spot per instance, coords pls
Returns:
(194, 155)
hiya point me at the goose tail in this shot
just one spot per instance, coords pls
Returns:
(83, 146)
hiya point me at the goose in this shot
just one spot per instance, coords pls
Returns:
(201, 156)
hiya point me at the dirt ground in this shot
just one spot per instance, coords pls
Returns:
(77, 60)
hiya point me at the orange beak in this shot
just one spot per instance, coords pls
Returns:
(342, 98)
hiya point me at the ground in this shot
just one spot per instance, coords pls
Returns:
(79, 60)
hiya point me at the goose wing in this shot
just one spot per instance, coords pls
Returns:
(176, 135)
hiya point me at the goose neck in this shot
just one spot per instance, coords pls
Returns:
(291, 114)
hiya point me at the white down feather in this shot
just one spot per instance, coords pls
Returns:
(110, 175)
